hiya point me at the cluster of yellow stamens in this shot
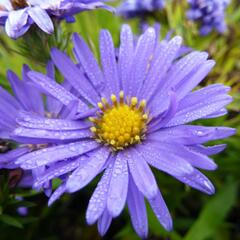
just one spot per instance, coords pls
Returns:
(18, 4)
(120, 124)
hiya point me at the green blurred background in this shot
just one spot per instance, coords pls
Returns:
(196, 216)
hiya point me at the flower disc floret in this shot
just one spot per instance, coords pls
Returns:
(120, 124)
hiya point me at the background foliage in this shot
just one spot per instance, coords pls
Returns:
(196, 216)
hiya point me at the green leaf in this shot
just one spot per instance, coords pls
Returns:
(11, 221)
(213, 214)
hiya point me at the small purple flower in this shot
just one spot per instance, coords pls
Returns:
(139, 8)
(121, 119)
(22, 211)
(26, 99)
(18, 15)
(210, 14)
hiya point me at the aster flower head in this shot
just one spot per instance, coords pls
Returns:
(18, 15)
(138, 8)
(25, 98)
(130, 114)
(210, 14)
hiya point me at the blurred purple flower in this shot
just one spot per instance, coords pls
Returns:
(26, 99)
(139, 8)
(210, 14)
(22, 211)
(18, 15)
(138, 107)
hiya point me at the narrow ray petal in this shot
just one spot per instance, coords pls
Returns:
(25, 135)
(58, 170)
(192, 134)
(118, 187)
(161, 211)
(162, 61)
(74, 75)
(137, 210)
(126, 52)
(164, 160)
(104, 223)
(109, 65)
(57, 194)
(88, 61)
(98, 201)
(141, 61)
(41, 18)
(83, 175)
(198, 181)
(30, 120)
(141, 173)
(52, 154)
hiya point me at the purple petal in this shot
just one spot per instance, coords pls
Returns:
(198, 181)
(98, 201)
(26, 135)
(16, 24)
(57, 170)
(182, 68)
(164, 160)
(26, 180)
(50, 70)
(109, 65)
(57, 194)
(88, 62)
(74, 75)
(191, 134)
(37, 105)
(126, 52)
(30, 120)
(179, 153)
(178, 72)
(161, 62)
(56, 90)
(200, 104)
(13, 154)
(161, 211)
(52, 154)
(84, 174)
(24, 92)
(9, 98)
(217, 114)
(8, 113)
(185, 86)
(52, 105)
(137, 210)
(141, 173)
(141, 60)
(211, 150)
(117, 193)
(41, 18)
(104, 223)
(165, 117)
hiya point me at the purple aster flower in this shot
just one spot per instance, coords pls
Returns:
(134, 8)
(210, 14)
(18, 15)
(26, 99)
(130, 114)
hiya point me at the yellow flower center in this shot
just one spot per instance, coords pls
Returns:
(18, 4)
(120, 124)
